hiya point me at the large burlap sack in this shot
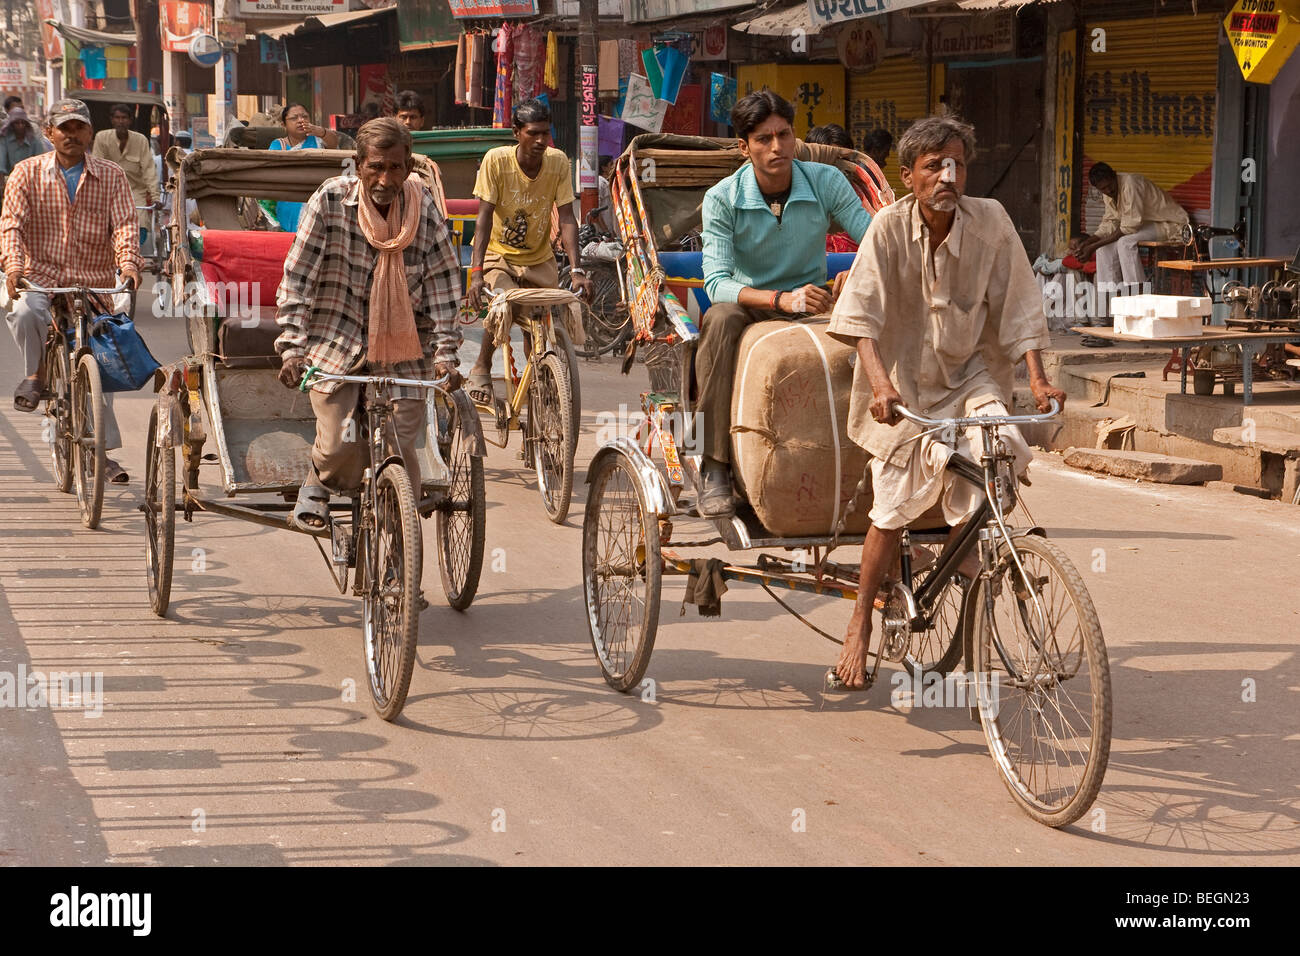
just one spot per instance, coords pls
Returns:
(790, 452)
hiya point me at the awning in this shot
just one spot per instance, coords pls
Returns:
(780, 23)
(324, 21)
(95, 37)
(995, 4)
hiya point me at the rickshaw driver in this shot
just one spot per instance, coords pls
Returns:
(372, 281)
(940, 305)
(764, 238)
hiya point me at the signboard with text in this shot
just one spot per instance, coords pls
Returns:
(823, 13)
(181, 22)
(289, 9)
(479, 9)
(1263, 34)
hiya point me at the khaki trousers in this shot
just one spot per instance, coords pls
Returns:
(715, 371)
(340, 455)
(499, 273)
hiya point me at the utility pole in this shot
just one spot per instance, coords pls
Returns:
(589, 160)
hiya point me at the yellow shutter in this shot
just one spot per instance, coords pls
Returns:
(1149, 105)
(893, 95)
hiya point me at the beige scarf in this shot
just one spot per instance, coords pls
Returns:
(392, 333)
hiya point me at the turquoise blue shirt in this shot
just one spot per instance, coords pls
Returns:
(746, 245)
(72, 176)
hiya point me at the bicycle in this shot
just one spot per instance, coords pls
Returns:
(73, 424)
(606, 319)
(162, 245)
(548, 384)
(382, 540)
(1012, 625)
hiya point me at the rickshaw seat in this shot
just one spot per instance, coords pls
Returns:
(242, 271)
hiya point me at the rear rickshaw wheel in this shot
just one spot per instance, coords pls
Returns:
(938, 648)
(621, 571)
(58, 415)
(550, 420)
(159, 516)
(390, 553)
(461, 517)
(88, 440)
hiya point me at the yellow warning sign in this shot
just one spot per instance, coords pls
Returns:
(1263, 34)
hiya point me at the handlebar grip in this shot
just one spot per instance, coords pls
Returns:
(308, 374)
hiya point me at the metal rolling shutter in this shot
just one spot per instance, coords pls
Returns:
(1149, 106)
(893, 95)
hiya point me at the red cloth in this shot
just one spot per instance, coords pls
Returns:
(840, 242)
(236, 255)
(1072, 262)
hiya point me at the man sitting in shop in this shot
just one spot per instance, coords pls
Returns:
(1137, 210)
(764, 234)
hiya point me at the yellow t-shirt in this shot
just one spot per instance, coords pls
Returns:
(521, 223)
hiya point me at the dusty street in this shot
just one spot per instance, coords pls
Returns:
(227, 735)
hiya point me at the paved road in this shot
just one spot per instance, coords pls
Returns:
(226, 737)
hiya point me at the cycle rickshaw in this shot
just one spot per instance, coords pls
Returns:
(225, 395)
(1024, 631)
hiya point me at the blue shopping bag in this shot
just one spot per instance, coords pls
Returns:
(125, 362)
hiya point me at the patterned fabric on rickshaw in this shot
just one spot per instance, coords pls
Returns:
(241, 273)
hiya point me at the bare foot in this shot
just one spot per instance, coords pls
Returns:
(851, 668)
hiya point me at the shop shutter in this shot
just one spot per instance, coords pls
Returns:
(1149, 106)
(893, 95)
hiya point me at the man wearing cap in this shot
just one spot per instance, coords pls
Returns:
(69, 220)
(18, 141)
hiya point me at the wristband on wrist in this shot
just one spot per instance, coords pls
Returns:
(474, 269)
(776, 301)
(576, 271)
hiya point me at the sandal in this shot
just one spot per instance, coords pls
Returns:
(115, 473)
(28, 395)
(833, 684)
(312, 512)
(481, 390)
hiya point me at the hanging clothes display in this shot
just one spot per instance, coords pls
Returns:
(530, 56)
(474, 78)
(552, 77)
(459, 73)
(504, 90)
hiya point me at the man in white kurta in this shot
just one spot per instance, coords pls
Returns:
(940, 305)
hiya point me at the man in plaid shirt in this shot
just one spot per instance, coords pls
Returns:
(324, 308)
(69, 220)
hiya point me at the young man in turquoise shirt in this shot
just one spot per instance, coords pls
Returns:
(764, 236)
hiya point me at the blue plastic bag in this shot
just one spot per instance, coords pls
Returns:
(125, 362)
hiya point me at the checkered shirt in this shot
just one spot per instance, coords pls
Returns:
(54, 242)
(324, 298)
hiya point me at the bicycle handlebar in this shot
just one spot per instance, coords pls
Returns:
(36, 288)
(313, 374)
(978, 420)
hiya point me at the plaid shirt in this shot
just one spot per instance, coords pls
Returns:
(54, 242)
(324, 298)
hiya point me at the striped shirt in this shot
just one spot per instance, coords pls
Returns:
(54, 242)
(746, 245)
(324, 298)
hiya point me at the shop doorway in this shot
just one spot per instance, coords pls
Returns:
(1003, 100)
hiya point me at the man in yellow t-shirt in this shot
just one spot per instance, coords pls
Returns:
(517, 188)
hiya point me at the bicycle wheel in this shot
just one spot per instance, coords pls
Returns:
(570, 358)
(159, 517)
(603, 318)
(938, 648)
(88, 440)
(58, 414)
(550, 419)
(1042, 681)
(621, 572)
(461, 517)
(390, 614)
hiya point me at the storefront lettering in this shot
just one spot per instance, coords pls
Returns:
(810, 95)
(849, 9)
(863, 118)
(1125, 105)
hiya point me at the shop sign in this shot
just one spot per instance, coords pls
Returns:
(713, 43)
(181, 22)
(1067, 75)
(480, 9)
(231, 32)
(1263, 34)
(49, 36)
(972, 36)
(289, 9)
(824, 13)
(13, 74)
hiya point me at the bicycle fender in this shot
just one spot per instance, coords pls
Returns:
(658, 499)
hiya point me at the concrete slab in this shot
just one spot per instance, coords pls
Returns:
(1145, 465)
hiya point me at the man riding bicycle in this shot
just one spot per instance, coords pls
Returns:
(69, 220)
(371, 281)
(940, 305)
(517, 189)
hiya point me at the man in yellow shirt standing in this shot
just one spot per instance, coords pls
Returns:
(131, 151)
(517, 188)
